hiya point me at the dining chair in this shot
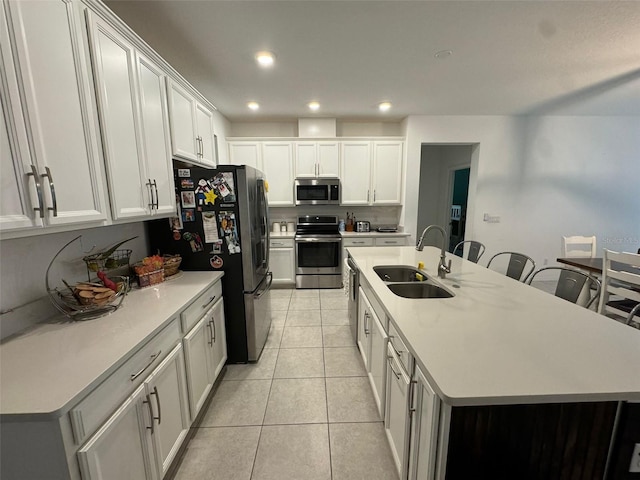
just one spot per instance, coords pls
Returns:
(623, 286)
(474, 250)
(517, 262)
(572, 285)
(578, 246)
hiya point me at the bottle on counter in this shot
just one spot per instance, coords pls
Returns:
(341, 225)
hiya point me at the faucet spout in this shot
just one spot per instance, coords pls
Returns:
(443, 267)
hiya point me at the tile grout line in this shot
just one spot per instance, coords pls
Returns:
(326, 394)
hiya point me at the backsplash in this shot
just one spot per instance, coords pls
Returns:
(23, 295)
(375, 215)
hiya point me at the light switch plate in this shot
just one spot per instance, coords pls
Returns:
(634, 467)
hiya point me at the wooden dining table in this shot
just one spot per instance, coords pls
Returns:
(594, 265)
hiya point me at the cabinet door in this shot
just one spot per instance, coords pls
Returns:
(306, 166)
(282, 265)
(204, 125)
(167, 390)
(425, 430)
(219, 340)
(328, 159)
(396, 422)
(156, 136)
(387, 173)
(364, 328)
(122, 447)
(58, 103)
(198, 364)
(114, 62)
(182, 122)
(245, 153)
(16, 210)
(277, 165)
(356, 173)
(378, 362)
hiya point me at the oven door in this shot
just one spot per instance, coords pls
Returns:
(316, 255)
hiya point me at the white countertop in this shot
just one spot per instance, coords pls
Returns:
(499, 341)
(374, 233)
(48, 368)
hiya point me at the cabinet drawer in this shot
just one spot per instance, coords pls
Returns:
(91, 412)
(389, 241)
(399, 348)
(357, 242)
(281, 243)
(199, 307)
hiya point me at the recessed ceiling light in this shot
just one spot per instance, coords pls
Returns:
(253, 105)
(384, 106)
(265, 59)
(442, 54)
(315, 106)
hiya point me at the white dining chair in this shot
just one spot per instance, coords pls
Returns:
(578, 246)
(620, 296)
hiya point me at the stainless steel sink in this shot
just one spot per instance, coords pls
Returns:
(399, 273)
(419, 290)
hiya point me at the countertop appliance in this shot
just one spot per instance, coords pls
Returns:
(387, 228)
(318, 251)
(354, 282)
(317, 191)
(362, 226)
(223, 225)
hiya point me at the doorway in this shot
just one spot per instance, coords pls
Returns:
(444, 190)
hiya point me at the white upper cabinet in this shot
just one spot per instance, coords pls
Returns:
(59, 174)
(192, 136)
(317, 159)
(355, 174)
(134, 125)
(277, 164)
(387, 172)
(246, 153)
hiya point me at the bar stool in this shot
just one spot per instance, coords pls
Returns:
(474, 250)
(572, 285)
(516, 266)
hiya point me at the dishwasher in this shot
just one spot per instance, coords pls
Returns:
(354, 282)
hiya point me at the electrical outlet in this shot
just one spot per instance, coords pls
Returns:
(546, 261)
(634, 466)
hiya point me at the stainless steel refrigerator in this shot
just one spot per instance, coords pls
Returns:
(222, 224)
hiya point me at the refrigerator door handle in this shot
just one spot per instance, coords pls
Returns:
(267, 288)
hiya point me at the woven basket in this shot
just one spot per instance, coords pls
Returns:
(171, 264)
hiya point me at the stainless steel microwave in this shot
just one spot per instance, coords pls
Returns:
(317, 191)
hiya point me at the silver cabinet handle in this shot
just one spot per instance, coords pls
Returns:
(412, 393)
(150, 205)
(213, 323)
(357, 242)
(52, 188)
(211, 299)
(152, 358)
(148, 402)
(398, 352)
(36, 178)
(210, 341)
(391, 366)
(277, 243)
(366, 326)
(374, 195)
(155, 187)
(159, 417)
(368, 194)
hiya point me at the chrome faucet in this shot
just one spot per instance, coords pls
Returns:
(443, 267)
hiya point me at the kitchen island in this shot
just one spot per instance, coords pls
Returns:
(498, 342)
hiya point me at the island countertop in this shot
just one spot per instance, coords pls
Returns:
(50, 366)
(499, 341)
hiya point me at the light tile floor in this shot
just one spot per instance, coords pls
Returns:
(305, 411)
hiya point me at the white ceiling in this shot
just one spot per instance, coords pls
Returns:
(509, 57)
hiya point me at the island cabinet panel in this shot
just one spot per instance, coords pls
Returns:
(627, 437)
(548, 441)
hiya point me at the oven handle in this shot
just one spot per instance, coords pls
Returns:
(316, 240)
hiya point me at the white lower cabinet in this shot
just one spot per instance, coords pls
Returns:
(424, 430)
(205, 354)
(396, 422)
(122, 448)
(142, 437)
(364, 328)
(282, 261)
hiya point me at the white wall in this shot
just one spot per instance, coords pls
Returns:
(544, 176)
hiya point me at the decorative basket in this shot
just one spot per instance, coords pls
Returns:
(118, 260)
(171, 264)
(150, 278)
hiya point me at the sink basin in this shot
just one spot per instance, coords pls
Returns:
(398, 273)
(419, 290)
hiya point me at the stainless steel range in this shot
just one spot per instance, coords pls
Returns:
(318, 252)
